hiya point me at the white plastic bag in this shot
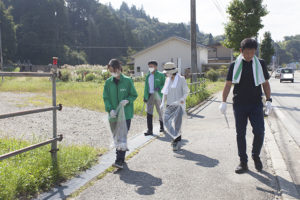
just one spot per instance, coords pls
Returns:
(173, 117)
(119, 129)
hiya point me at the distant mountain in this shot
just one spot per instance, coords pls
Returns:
(81, 31)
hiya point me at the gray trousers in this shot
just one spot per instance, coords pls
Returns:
(154, 99)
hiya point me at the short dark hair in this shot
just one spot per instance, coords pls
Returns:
(153, 62)
(114, 63)
(248, 43)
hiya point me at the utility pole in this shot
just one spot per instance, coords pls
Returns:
(193, 41)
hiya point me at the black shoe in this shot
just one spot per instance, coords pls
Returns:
(258, 164)
(148, 133)
(161, 127)
(118, 164)
(242, 168)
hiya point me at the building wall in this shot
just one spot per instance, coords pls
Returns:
(223, 52)
(166, 52)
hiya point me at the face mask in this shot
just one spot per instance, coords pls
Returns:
(151, 69)
(115, 74)
(169, 75)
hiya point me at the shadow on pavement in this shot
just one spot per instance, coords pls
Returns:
(144, 182)
(201, 160)
(167, 138)
(266, 178)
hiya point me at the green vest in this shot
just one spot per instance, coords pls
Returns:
(159, 82)
(114, 93)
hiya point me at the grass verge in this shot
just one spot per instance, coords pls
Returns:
(87, 95)
(32, 172)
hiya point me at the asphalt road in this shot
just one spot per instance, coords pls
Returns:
(285, 123)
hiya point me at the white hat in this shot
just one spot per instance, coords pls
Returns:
(170, 67)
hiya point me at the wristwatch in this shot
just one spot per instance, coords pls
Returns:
(270, 99)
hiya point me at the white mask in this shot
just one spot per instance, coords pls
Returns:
(169, 75)
(151, 69)
(114, 74)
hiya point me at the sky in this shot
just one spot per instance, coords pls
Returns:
(282, 20)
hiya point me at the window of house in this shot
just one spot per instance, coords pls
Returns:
(138, 69)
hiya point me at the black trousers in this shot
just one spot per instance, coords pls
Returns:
(121, 154)
(256, 117)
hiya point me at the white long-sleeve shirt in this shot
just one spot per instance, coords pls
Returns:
(179, 93)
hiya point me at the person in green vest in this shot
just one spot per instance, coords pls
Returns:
(119, 91)
(154, 82)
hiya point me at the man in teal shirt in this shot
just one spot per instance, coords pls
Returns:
(119, 90)
(154, 83)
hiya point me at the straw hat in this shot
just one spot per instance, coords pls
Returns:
(170, 68)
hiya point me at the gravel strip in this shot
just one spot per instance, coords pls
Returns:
(78, 126)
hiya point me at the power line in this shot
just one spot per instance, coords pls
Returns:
(221, 11)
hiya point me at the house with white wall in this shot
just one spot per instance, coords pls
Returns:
(174, 49)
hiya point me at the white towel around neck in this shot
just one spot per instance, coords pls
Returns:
(258, 74)
(165, 89)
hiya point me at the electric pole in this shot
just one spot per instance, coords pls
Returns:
(193, 41)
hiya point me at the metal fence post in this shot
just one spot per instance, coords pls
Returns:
(54, 143)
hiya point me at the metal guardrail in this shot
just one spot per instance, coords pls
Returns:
(54, 109)
(27, 74)
(3, 116)
(14, 153)
(199, 77)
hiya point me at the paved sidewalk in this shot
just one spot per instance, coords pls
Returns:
(203, 169)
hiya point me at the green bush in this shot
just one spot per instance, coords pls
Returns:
(90, 77)
(105, 75)
(212, 75)
(65, 75)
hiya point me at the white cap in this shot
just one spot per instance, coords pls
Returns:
(170, 67)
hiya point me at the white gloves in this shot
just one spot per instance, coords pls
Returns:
(268, 107)
(124, 102)
(113, 114)
(223, 107)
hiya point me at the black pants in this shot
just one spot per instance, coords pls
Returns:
(256, 117)
(121, 154)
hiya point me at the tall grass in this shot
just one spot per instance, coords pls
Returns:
(26, 174)
(87, 94)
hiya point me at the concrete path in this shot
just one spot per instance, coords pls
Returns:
(203, 169)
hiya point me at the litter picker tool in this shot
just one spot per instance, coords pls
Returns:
(226, 119)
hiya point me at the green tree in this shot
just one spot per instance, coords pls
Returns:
(244, 21)
(8, 33)
(266, 48)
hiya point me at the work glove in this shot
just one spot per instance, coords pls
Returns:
(113, 114)
(124, 102)
(223, 107)
(268, 107)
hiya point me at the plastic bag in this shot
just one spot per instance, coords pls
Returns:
(173, 117)
(119, 129)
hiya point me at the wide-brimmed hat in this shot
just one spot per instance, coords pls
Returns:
(170, 67)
